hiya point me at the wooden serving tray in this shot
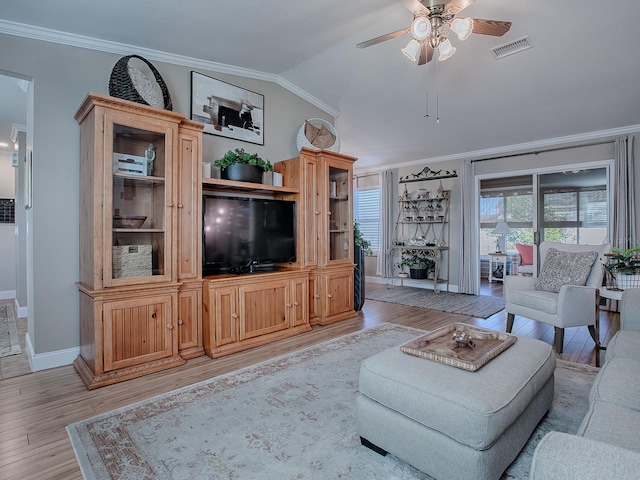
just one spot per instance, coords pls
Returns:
(440, 346)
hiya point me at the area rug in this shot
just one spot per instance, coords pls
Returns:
(478, 306)
(9, 340)
(292, 417)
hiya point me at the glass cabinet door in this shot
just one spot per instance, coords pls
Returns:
(339, 214)
(137, 242)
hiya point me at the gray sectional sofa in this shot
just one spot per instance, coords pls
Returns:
(607, 444)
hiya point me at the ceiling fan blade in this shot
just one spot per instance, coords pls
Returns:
(426, 53)
(383, 38)
(456, 6)
(490, 27)
(415, 7)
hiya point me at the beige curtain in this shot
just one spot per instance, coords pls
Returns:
(469, 272)
(624, 214)
(387, 182)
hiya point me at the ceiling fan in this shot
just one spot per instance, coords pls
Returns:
(433, 20)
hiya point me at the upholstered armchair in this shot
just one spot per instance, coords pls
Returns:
(564, 294)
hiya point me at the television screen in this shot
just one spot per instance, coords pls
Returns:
(241, 233)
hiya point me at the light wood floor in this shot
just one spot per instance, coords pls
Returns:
(35, 408)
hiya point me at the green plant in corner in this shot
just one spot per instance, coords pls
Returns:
(240, 156)
(358, 239)
(624, 261)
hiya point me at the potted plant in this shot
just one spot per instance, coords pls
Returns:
(420, 265)
(360, 241)
(242, 166)
(623, 268)
(404, 262)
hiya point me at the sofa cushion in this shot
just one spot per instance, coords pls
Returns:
(618, 382)
(565, 268)
(537, 299)
(625, 343)
(612, 424)
(473, 408)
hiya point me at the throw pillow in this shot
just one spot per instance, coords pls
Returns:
(310, 131)
(526, 253)
(565, 268)
(324, 139)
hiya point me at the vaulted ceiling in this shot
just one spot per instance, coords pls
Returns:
(580, 79)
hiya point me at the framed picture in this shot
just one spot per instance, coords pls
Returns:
(227, 110)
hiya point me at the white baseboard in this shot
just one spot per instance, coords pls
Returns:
(408, 282)
(7, 294)
(44, 361)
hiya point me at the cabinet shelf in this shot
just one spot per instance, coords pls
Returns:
(138, 230)
(233, 186)
(132, 179)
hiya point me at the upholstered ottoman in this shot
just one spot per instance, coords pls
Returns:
(452, 423)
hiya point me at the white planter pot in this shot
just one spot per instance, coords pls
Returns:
(624, 282)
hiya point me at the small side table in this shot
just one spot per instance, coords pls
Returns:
(497, 258)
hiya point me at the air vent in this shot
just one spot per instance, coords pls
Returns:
(512, 47)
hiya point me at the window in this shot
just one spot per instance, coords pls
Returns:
(367, 214)
(7, 210)
(506, 200)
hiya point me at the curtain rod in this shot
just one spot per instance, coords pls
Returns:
(366, 175)
(556, 149)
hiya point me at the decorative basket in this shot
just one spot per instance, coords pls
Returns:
(616, 280)
(121, 85)
(303, 141)
(131, 261)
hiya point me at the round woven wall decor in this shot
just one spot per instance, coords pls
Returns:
(303, 141)
(129, 83)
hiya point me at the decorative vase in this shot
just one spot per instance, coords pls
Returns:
(418, 273)
(625, 281)
(242, 172)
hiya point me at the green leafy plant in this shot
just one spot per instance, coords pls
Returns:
(421, 260)
(240, 156)
(624, 261)
(360, 240)
(404, 262)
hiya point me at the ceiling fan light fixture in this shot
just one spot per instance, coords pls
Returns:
(412, 49)
(446, 50)
(420, 28)
(462, 27)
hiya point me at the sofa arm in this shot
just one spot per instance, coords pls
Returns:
(630, 310)
(569, 457)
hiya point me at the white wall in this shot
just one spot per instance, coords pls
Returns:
(62, 76)
(7, 232)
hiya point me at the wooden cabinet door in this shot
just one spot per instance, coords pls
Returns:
(315, 304)
(263, 308)
(137, 331)
(338, 292)
(190, 322)
(298, 308)
(226, 315)
(312, 211)
(189, 202)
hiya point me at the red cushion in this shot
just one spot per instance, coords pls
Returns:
(526, 253)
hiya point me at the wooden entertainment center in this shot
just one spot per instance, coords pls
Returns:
(144, 305)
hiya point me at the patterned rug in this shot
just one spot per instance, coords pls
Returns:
(478, 306)
(9, 340)
(288, 418)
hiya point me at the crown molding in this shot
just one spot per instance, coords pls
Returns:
(80, 41)
(540, 146)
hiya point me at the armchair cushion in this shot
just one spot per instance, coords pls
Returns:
(536, 299)
(565, 268)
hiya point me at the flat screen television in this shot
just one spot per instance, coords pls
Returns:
(243, 234)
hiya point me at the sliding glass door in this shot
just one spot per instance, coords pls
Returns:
(571, 206)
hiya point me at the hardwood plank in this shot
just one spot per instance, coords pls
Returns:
(35, 408)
